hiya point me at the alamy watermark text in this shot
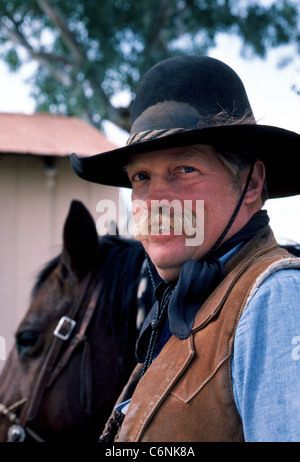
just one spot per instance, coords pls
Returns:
(159, 217)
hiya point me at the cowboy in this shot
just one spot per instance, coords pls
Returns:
(216, 354)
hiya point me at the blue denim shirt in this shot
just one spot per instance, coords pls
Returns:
(266, 362)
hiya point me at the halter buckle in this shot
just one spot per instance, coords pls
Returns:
(66, 329)
(16, 434)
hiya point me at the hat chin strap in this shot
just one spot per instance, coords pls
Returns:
(236, 211)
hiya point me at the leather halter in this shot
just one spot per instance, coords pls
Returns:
(51, 367)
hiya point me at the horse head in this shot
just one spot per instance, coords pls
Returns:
(74, 349)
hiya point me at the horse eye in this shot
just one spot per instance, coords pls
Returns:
(26, 340)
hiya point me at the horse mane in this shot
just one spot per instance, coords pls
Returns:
(294, 249)
(44, 273)
(117, 263)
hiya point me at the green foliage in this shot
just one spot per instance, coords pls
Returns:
(12, 58)
(89, 50)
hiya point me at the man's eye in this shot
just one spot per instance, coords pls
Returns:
(140, 176)
(187, 169)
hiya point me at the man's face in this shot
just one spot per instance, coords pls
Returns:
(193, 173)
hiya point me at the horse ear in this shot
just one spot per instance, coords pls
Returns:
(80, 239)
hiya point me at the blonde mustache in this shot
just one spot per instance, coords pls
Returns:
(164, 220)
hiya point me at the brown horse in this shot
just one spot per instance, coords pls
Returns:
(75, 348)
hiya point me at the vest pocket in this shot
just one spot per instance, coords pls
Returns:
(193, 381)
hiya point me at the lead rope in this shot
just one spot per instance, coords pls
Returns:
(112, 427)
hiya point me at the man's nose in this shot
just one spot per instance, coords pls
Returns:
(159, 189)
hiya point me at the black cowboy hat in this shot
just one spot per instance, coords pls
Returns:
(176, 103)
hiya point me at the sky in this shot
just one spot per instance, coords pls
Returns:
(269, 89)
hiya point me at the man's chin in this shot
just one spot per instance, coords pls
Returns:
(168, 269)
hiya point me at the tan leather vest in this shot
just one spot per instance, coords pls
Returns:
(186, 394)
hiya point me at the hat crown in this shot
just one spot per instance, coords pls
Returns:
(185, 92)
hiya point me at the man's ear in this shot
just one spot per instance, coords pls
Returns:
(256, 183)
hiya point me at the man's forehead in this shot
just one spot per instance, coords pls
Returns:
(177, 154)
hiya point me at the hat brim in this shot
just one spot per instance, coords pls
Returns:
(278, 148)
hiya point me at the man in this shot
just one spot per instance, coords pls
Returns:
(217, 353)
